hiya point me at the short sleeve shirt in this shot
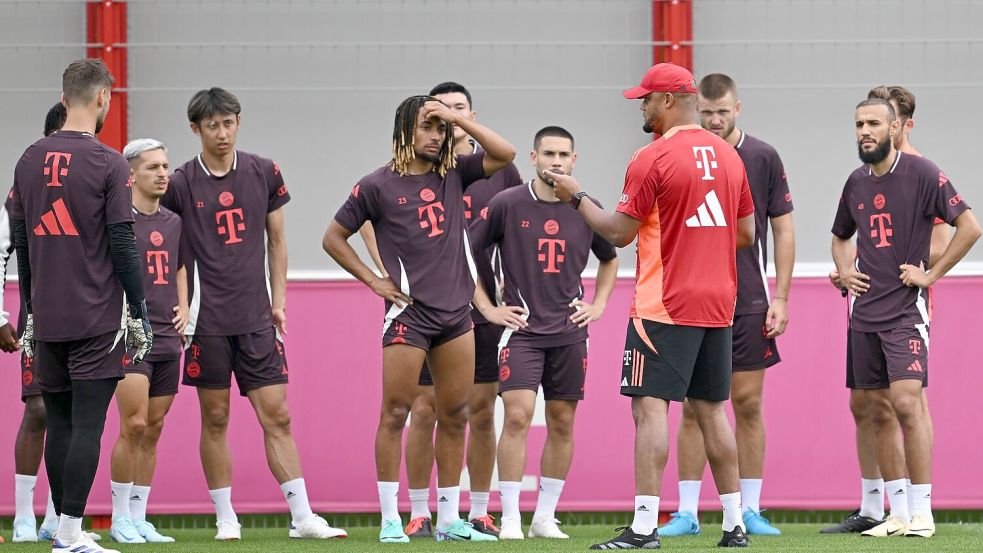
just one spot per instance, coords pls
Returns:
(769, 188)
(224, 224)
(159, 244)
(68, 187)
(544, 248)
(688, 188)
(893, 216)
(420, 229)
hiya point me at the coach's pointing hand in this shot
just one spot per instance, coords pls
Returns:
(387, 290)
(565, 186)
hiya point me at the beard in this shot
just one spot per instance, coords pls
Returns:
(426, 156)
(878, 154)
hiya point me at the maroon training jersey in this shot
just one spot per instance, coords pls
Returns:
(420, 229)
(544, 248)
(159, 243)
(224, 225)
(769, 188)
(476, 200)
(893, 216)
(67, 188)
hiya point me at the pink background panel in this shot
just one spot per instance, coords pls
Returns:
(334, 355)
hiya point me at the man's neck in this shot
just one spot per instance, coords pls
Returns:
(464, 147)
(734, 137)
(544, 191)
(907, 148)
(420, 166)
(145, 205)
(218, 165)
(80, 121)
(883, 166)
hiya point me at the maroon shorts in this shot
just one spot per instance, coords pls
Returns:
(426, 328)
(96, 358)
(257, 359)
(753, 350)
(561, 370)
(29, 385)
(163, 374)
(880, 358)
(486, 338)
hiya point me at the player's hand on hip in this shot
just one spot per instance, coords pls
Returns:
(139, 335)
(915, 277)
(509, 316)
(280, 319)
(777, 318)
(8, 339)
(565, 186)
(386, 289)
(586, 313)
(181, 318)
(855, 282)
(27, 338)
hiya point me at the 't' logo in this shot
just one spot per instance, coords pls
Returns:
(228, 225)
(157, 265)
(553, 254)
(703, 161)
(881, 228)
(55, 170)
(434, 215)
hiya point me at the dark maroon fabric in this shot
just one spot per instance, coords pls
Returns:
(544, 247)
(224, 224)
(159, 243)
(769, 188)
(893, 216)
(419, 223)
(67, 188)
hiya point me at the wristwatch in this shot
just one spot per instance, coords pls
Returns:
(575, 199)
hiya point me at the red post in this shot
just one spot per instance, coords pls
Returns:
(106, 27)
(672, 22)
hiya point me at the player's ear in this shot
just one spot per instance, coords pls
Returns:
(473, 116)
(195, 128)
(573, 160)
(737, 108)
(533, 156)
(909, 124)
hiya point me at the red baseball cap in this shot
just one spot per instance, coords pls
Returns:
(664, 77)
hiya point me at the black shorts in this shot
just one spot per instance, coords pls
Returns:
(29, 384)
(674, 362)
(257, 359)
(163, 374)
(561, 370)
(96, 358)
(486, 338)
(880, 358)
(753, 350)
(426, 328)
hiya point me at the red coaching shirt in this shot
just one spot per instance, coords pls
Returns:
(689, 189)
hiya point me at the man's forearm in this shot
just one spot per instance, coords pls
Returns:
(277, 250)
(843, 254)
(784, 262)
(182, 287)
(336, 245)
(23, 261)
(604, 223)
(607, 275)
(960, 245)
(126, 264)
(491, 142)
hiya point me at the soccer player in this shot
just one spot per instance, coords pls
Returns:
(757, 319)
(68, 186)
(145, 395)
(687, 199)
(230, 203)
(544, 246)
(890, 202)
(416, 206)
(481, 405)
(871, 510)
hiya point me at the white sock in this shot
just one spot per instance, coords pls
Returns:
(222, 499)
(448, 506)
(69, 529)
(295, 492)
(479, 505)
(121, 498)
(872, 500)
(50, 516)
(510, 498)
(549, 495)
(751, 494)
(731, 502)
(907, 488)
(420, 503)
(388, 496)
(689, 496)
(646, 514)
(897, 498)
(920, 498)
(24, 495)
(138, 503)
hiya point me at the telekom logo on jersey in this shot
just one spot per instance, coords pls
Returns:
(432, 214)
(230, 221)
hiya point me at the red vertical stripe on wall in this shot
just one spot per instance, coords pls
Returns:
(672, 22)
(106, 27)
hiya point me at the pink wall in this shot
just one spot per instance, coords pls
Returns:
(334, 354)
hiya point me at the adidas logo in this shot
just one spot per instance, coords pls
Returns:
(873, 491)
(134, 498)
(443, 499)
(899, 492)
(642, 508)
(708, 214)
(56, 222)
(290, 494)
(624, 381)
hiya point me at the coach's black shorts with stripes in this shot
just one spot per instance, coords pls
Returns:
(674, 362)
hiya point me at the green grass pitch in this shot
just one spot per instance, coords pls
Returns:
(796, 537)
